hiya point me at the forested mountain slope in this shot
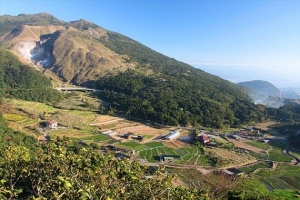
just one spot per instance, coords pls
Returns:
(20, 81)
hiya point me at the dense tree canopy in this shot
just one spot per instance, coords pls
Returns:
(23, 82)
(177, 100)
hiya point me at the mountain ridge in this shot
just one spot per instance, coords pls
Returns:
(262, 87)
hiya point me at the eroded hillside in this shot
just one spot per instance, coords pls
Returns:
(73, 55)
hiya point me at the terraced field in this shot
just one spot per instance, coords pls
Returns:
(190, 155)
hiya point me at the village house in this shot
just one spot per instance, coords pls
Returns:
(52, 124)
(168, 158)
(203, 138)
(172, 135)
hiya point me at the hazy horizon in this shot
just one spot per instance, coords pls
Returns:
(281, 78)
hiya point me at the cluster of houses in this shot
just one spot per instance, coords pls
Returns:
(249, 132)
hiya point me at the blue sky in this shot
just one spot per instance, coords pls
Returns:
(235, 39)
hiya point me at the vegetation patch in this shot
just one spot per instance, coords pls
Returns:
(154, 144)
(257, 144)
(251, 168)
(96, 138)
(14, 117)
(285, 194)
(131, 145)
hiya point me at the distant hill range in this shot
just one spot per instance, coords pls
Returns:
(150, 85)
(262, 87)
(291, 94)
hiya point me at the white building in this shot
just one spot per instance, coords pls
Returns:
(172, 135)
(52, 124)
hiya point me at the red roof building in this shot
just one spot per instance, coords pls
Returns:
(204, 139)
(52, 124)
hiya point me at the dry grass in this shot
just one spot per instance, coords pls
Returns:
(229, 158)
(79, 55)
(243, 145)
(175, 144)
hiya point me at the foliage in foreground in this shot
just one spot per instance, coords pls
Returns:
(62, 172)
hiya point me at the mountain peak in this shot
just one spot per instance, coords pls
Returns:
(83, 24)
(263, 87)
(46, 16)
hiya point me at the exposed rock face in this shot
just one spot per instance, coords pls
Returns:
(24, 49)
(34, 52)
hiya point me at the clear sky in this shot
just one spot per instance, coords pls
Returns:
(235, 39)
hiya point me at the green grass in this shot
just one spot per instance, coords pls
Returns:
(275, 154)
(154, 144)
(131, 145)
(285, 176)
(257, 144)
(296, 154)
(96, 138)
(285, 194)
(14, 117)
(261, 165)
(28, 122)
(151, 151)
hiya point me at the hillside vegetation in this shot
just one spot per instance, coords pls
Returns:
(180, 100)
(20, 81)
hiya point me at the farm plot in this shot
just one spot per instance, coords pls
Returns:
(281, 182)
(153, 150)
(284, 176)
(224, 157)
(31, 107)
(131, 145)
(140, 129)
(14, 117)
(275, 154)
(96, 138)
(243, 145)
(154, 144)
(257, 144)
(261, 165)
(192, 155)
(175, 144)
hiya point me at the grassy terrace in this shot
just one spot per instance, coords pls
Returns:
(273, 153)
(188, 155)
(260, 165)
(257, 144)
(96, 138)
(282, 180)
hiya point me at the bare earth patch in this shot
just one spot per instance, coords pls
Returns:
(229, 157)
(142, 130)
(175, 144)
